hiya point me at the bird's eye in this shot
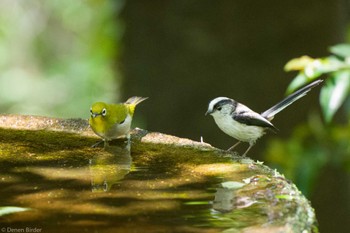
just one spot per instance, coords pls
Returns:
(104, 112)
(219, 108)
(91, 110)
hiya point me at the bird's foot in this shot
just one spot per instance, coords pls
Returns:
(97, 144)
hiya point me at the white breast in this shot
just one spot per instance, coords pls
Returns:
(241, 132)
(119, 130)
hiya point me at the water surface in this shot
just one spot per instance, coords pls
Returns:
(55, 182)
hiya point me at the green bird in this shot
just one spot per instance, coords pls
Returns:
(111, 121)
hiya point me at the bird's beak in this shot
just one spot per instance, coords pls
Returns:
(93, 115)
(208, 113)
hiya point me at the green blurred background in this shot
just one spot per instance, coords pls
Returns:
(59, 56)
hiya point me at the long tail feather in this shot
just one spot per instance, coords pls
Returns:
(271, 112)
(133, 101)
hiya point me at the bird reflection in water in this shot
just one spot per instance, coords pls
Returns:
(110, 165)
(227, 200)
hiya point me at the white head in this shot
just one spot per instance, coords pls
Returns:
(221, 106)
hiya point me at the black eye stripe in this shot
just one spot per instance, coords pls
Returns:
(218, 105)
(221, 103)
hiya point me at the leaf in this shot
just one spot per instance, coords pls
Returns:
(342, 50)
(284, 196)
(334, 92)
(11, 209)
(314, 69)
(331, 64)
(300, 80)
(232, 185)
(298, 63)
(197, 203)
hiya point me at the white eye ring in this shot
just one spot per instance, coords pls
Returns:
(104, 112)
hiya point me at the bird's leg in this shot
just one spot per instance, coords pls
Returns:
(128, 137)
(232, 147)
(128, 141)
(251, 144)
(105, 144)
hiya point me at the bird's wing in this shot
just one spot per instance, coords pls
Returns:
(118, 113)
(253, 119)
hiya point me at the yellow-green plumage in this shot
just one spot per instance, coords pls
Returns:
(111, 121)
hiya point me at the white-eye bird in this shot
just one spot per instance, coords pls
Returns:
(245, 125)
(111, 121)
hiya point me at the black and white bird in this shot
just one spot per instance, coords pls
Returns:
(245, 125)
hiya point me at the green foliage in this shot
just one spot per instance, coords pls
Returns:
(335, 67)
(311, 148)
(58, 56)
(314, 146)
(334, 93)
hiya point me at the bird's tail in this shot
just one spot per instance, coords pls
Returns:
(271, 112)
(133, 101)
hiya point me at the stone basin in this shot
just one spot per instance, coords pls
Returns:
(52, 180)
